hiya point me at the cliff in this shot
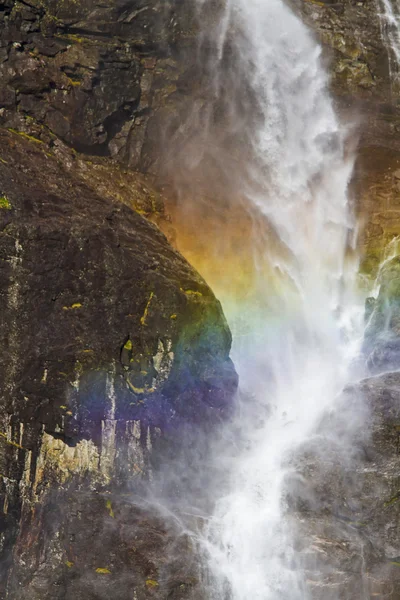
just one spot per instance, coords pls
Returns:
(364, 80)
(115, 353)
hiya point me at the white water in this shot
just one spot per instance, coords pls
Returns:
(390, 24)
(302, 336)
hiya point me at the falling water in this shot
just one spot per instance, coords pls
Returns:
(302, 324)
(390, 24)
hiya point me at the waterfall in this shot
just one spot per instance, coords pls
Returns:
(297, 330)
(390, 25)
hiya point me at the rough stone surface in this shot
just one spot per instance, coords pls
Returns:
(112, 344)
(91, 73)
(348, 519)
(115, 352)
(364, 79)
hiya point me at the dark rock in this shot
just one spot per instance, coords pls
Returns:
(123, 550)
(86, 67)
(112, 347)
(7, 98)
(111, 343)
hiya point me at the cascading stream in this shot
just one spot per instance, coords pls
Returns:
(303, 331)
(390, 25)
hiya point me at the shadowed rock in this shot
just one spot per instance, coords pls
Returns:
(111, 345)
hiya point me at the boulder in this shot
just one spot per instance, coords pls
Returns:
(114, 353)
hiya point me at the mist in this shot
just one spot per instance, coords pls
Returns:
(261, 170)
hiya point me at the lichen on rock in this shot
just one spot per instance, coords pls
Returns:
(98, 371)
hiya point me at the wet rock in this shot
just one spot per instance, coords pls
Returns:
(382, 335)
(347, 515)
(112, 344)
(100, 546)
(364, 79)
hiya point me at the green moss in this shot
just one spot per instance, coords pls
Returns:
(146, 310)
(9, 442)
(191, 292)
(110, 508)
(88, 351)
(25, 135)
(152, 583)
(74, 82)
(73, 306)
(140, 390)
(370, 263)
(69, 564)
(5, 203)
(49, 22)
(74, 38)
(392, 501)
(103, 571)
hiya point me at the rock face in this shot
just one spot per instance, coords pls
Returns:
(382, 341)
(112, 344)
(364, 80)
(348, 519)
(91, 73)
(115, 352)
